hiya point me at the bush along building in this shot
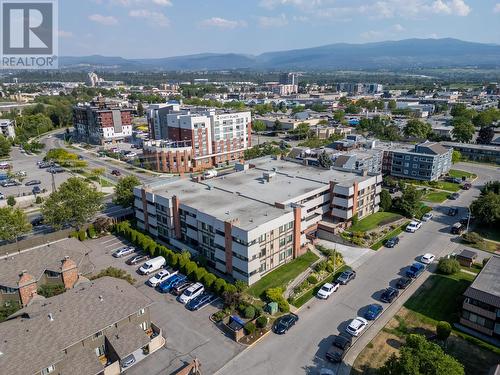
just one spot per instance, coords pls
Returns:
(252, 221)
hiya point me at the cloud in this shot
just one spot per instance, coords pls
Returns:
(496, 8)
(156, 18)
(398, 28)
(64, 34)
(164, 3)
(222, 23)
(103, 20)
(372, 35)
(303, 4)
(270, 22)
(453, 7)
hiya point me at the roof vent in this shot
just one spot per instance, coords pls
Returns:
(51, 317)
(101, 299)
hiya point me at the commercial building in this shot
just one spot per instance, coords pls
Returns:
(252, 221)
(157, 119)
(472, 151)
(88, 330)
(426, 161)
(8, 128)
(99, 122)
(481, 306)
(288, 79)
(196, 139)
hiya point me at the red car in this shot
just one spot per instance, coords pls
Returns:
(116, 172)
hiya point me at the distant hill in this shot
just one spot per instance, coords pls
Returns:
(403, 54)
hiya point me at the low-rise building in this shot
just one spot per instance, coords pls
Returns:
(8, 128)
(481, 306)
(88, 330)
(250, 222)
(488, 153)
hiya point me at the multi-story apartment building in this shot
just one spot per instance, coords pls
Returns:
(157, 119)
(194, 140)
(481, 306)
(360, 160)
(489, 153)
(252, 221)
(427, 161)
(8, 128)
(101, 123)
(88, 330)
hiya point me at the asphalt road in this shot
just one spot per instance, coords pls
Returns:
(302, 350)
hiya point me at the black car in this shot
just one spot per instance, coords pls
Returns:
(178, 289)
(339, 348)
(454, 196)
(389, 294)
(284, 323)
(393, 189)
(199, 302)
(391, 242)
(37, 221)
(403, 282)
(453, 212)
(136, 259)
(346, 276)
(33, 182)
(36, 190)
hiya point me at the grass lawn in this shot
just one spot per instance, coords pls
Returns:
(375, 220)
(439, 297)
(459, 174)
(436, 196)
(394, 233)
(284, 274)
(485, 245)
(106, 183)
(441, 185)
(489, 233)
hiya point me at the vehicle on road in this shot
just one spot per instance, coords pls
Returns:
(458, 228)
(346, 276)
(152, 265)
(180, 287)
(116, 172)
(128, 361)
(356, 326)
(415, 270)
(210, 174)
(158, 278)
(403, 282)
(284, 323)
(467, 186)
(2, 196)
(127, 250)
(200, 302)
(36, 190)
(427, 216)
(389, 294)
(427, 258)
(454, 196)
(327, 290)
(167, 285)
(373, 311)
(136, 259)
(192, 292)
(339, 347)
(453, 211)
(413, 226)
(392, 242)
(33, 183)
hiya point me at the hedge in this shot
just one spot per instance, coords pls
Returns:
(178, 261)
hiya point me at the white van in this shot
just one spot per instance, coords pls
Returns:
(152, 265)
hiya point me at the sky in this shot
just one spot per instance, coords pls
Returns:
(163, 28)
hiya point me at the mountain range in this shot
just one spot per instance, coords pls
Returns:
(402, 54)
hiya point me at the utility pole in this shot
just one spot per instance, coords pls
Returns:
(53, 182)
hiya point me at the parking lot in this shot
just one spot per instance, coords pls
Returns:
(188, 334)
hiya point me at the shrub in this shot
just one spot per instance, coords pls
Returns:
(208, 280)
(249, 312)
(443, 330)
(261, 322)
(73, 234)
(51, 290)
(219, 286)
(258, 311)
(91, 231)
(472, 238)
(11, 201)
(274, 294)
(283, 305)
(249, 328)
(485, 260)
(189, 269)
(82, 235)
(240, 285)
(219, 315)
(38, 200)
(311, 279)
(448, 266)
(199, 273)
(320, 266)
(230, 288)
(115, 272)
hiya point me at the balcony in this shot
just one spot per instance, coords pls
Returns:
(342, 214)
(343, 202)
(479, 311)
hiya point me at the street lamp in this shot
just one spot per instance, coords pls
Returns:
(468, 218)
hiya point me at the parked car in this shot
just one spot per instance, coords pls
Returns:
(455, 180)
(389, 294)
(464, 220)
(356, 326)
(9, 183)
(413, 226)
(453, 211)
(284, 323)
(20, 174)
(392, 242)
(393, 190)
(454, 196)
(339, 348)
(127, 250)
(346, 276)
(152, 265)
(415, 270)
(403, 282)
(180, 287)
(327, 290)
(55, 170)
(33, 182)
(2, 196)
(192, 292)
(43, 165)
(158, 278)
(37, 221)
(136, 259)
(427, 258)
(116, 172)
(200, 302)
(128, 361)
(458, 228)
(427, 216)
(373, 311)
(467, 186)
(167, 285)
(36, 190)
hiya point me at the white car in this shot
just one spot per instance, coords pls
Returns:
(327, 290)
(192, 292)
(413, 226)
(427, 258)
(427, 216)
(123, 251)
(357, 326)
(159, 278)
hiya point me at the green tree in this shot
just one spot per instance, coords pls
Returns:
(486, 135)
(486, 209)
(421, 357)
(443, 330)
(448, 266)
(456, 156)
(74, 203)
(258, 127)
(5, 146)
(324, 160)
(124, 191)
(392, 105)
(302, 130)
(385, 200)
(11, 201)
(417, 129)
(140, 109)
(463, 130)
(409, 203)
(491, 186)
(277, 125)
(13, 224)
(339, 116)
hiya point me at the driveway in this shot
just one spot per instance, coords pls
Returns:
(353, 256)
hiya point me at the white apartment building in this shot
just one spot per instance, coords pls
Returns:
(7, 128)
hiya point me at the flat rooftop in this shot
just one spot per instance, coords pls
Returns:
(486, 286)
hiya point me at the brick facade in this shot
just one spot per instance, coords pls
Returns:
(69, 272)
(27, 288)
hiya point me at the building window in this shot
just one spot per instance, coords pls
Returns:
(52, 274)
(48, 370)
(141, 312)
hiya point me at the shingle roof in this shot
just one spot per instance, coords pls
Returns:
(468, 254)
(436, 148)
(31, 341)
(129, 338)
(486, 286)
(36, 261)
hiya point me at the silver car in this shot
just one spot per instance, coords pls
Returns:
(123, 251)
